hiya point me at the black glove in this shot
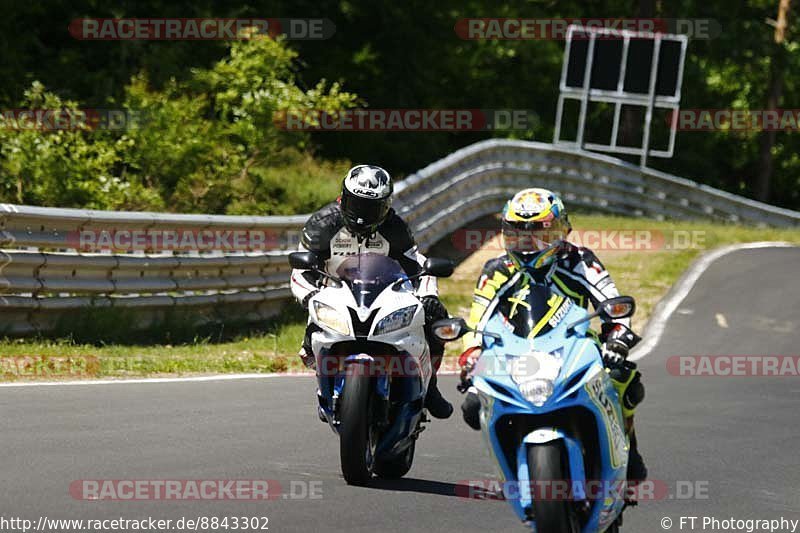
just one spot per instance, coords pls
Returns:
(614, 353)
(471, 410)
(434, 309)
(619, 340)
(308, 297)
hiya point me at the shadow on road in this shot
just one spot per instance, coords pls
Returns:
(424, 486)
(427, 486)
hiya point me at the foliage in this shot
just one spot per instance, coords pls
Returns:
(393, 55)
(206, 144)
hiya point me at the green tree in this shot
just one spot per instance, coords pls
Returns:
(205, 144)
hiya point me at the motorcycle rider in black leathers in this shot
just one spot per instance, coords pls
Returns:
(534, 228)
(361, 220)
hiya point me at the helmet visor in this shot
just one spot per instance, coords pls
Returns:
(364, 214)
(530, 237)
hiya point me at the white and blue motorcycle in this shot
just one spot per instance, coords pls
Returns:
(373, 361)
(549, 412)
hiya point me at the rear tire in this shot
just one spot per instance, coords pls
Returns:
(396, 467)
(354, 442)
(546, 463)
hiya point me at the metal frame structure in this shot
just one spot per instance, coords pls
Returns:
(619, 97)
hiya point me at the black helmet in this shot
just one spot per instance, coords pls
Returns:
(366, 198)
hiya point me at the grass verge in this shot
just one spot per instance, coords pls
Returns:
(647, 274)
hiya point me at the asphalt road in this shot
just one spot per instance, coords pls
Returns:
(732, 439)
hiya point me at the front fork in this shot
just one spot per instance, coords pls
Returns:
(577, 472)
(381, 381)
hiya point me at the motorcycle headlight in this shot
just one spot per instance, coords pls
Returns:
(397, 320)
(537, 391)
(535, 375)
(331, 318)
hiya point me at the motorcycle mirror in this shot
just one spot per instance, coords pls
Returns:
(587, 318)
(439, 267)
(450, 329)
(498, 340)
(613, 308)
(303, 260)
(616, 308)
(310, 261)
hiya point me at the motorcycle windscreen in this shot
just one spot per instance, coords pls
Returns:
(531, 309)
(367, 275)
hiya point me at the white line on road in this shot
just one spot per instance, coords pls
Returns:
(665, 308)
(721, 320)
(215, 377)
(187, 379)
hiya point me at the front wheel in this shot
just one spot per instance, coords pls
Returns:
(396, 467)
(546, 463)
(355, 449)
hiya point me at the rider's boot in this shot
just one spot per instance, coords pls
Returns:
(637, 472)
(320, 402)
(436, 404)
(471, 409)
(627, 382)
(306, 353)
(307, 358)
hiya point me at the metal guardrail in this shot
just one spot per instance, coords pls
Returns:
(45, 276)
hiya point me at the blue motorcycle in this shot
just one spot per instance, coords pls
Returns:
(549, 412)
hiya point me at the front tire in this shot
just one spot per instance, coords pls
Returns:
(396, 467)
(354, 444)
(546, 462)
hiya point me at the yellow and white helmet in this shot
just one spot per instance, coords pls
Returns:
(535, 225)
